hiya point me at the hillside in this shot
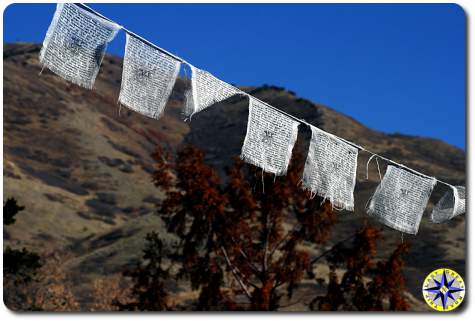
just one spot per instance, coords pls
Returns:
(81, 165)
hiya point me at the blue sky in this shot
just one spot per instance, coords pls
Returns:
(395, 68)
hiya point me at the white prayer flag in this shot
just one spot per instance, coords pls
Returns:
(450, 205)
(206, 90)
(270, 138)
(148, 77)
(75, 44)
(400, 199)
(330, 169)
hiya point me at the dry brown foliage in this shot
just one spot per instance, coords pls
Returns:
(107, 291)
(49, 290)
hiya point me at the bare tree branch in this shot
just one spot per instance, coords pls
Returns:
(235, 273)
(246, 257)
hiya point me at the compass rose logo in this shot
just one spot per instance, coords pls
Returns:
(443, 290)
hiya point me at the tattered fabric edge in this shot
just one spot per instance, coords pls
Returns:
(371, 211)
(335, 204)
(460, 200)
(306, 185)
(290, 148)
(191, 93)
(455, 198)
(243, 157)
(293, 138)
(122, 80)
(49, 33)
(392, 225)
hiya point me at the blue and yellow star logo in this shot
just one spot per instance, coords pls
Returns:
(443, 290)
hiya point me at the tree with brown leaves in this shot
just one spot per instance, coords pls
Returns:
(247, 240)
(244, 243)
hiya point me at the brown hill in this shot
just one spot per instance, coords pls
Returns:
(81, 165)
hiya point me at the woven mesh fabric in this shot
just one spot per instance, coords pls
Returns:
(75, 44)
(330, 169)
(206, 90)
(270, 138)
(400, 199)
(450, 205)
(148, 77)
